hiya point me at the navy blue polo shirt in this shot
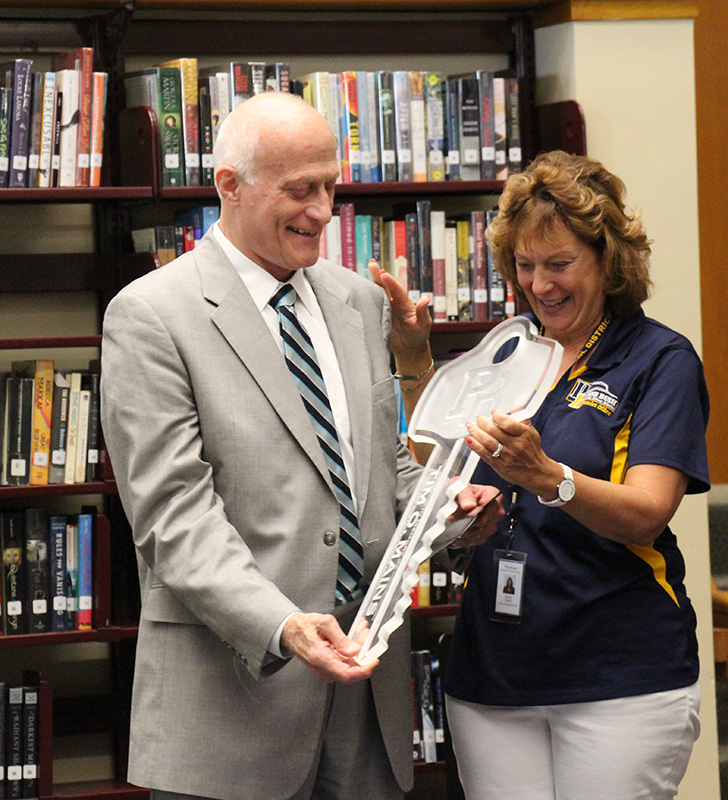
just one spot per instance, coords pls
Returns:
(599, 619)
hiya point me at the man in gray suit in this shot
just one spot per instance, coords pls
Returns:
(245, 683)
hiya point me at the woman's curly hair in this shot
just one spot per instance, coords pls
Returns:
(558, 189)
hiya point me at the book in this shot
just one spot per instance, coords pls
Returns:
(365, 144)
(36, 122)
(190, 117)
(81, 61)
(31, 741)
(439, 579)
(85, 572)
(496, 282)
(402, 126)
(74, 400)
(164, 238)
(202, 218)
(84, 402)
(479, 267)
(6, 114)
(210, 85)
(256, 77)
(375, 157)
(47, 129)
(438, 702)
(348, 235)
(465, 298)
(487, 125)
(400, 265)
(99, 84)
(451, 102)
(14, 742)
(424, 248)
(513, 126)
(57, 566)
(56, 151)
(17, 76)
(93, 459)
(413, 256)
(3, 716)
(422, 668)
(385, 119)
(67, 81)
(59, 429)
(439, 281)
(418, 134)
(13, 572)
(469, 128)
(169, 114)
(277, 77)
(71, 574)
(350, 166)
(41, 371)
(423, 583)
(37, 571)
(451, 270)
(18, 430)
(239, 83)
(205, 115)
(434, 125)
(499, 122)
(364, 247)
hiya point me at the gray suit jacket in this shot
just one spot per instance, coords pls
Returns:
(229, 499)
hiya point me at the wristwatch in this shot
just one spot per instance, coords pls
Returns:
(564, 491)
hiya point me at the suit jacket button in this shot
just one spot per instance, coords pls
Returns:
(329, 538)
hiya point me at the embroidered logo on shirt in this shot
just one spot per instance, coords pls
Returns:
(593, 395)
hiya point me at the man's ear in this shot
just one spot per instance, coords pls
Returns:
(228, 184)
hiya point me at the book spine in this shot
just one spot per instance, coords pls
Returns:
(418, 755)
(479, 267)
(170, 126)
(190, 117)
(438, 707)
(469, 124)
(348, 235)
(85, 576)
(37, 571)
(487, 125)
(239, 84)
(435, 125)
(400, 265)
(496, 283)
(31, 742)
(513, 127)
(205, 112)
(465, 299)
(71, 575)
(94, 409)
(84, 401)
(385, 118)
(351, 165)
(14, 743)
(424, 248)
(36, 123)
(22, 84)
(452, 129)
(59, 429)
(363, 245)
(81, 60)
(451, 271)
(423, 583)
(418, 133)
(439, 580)
(374, 144)
(47, 128)
(3, 718)
(6, 114)
(56, 153)
(57, 525)
(72, 430)
(439, 279)
(365, 147)
(499, 121)
(42, 410)
(402, 125)
(413, 257)
(256, 76)
(19, 400)
(100, 82)
(68, 81)
(14, 618)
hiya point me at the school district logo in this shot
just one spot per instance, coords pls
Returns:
(593, 395)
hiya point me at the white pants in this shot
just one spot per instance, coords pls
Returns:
(623, 749)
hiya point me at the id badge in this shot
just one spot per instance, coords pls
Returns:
(509, 569)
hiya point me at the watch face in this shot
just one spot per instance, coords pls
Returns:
(566, 490)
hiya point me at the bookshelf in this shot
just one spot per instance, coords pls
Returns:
(131, 179)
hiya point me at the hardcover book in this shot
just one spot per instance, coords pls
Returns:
(41, 372)
(479, 266)
(37, 571)
(84, 403)
(496, 282)
(387, 131)
(190, 117)
(57, 560)
(18, 430)
(418, 135)
(351, 164)
(71, 574)
(67, 81)
(439, 282)
(451, 270)
(18, 76)
(239, 83)
(85, 572)
(499, 121)
(100, 81)
(47, 129)
(435, 125)
(36, 122)
(206, 163)
(452, 128)
(94, 424)
(31, 741)
(13, 592)
(402, 125)
(81, 60)
(59, 429)
(14, 742)
(469, 129)
(6, 115)
(465, 298)
(348, 235)
(365, 145)
(74, 401)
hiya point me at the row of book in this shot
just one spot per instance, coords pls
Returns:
(52, 122)
(437, 584)
(19, 740)
(170, 241)
(428, 713)
(50, 424)
(429, 253)
(390, 125)
(47, 571)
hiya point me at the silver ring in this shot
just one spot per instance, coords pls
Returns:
(498, 450)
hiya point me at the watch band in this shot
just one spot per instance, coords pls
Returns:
(564, 491)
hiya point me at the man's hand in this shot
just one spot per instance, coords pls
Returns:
(317, 639)
(483, 505)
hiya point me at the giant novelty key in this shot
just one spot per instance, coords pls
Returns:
(511, 370)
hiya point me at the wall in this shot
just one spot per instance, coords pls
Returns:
(635, 82)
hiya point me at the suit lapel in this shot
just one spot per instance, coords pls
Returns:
(237, 318)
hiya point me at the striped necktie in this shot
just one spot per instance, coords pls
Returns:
(302, 363)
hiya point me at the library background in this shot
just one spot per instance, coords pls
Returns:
(614, 78)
